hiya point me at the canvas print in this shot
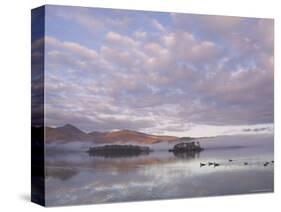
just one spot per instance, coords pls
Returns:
(141, 105)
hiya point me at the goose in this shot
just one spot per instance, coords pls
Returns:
(210, 163)
(230, 160)
(216, 164)
(245, 163)
(202, 164)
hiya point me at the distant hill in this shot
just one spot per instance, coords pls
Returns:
(186, 138)
(66, 133)
(71, 133)
(127, 136)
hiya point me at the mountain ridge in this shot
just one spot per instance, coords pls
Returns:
(68, 132)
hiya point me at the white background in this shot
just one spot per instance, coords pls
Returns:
(15, 104)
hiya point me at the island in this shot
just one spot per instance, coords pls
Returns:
(186, 147)
(119, 150)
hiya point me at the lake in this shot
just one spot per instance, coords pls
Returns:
(74, 177)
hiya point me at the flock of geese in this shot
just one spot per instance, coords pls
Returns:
(214, 164)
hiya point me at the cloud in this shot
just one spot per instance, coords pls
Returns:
(117, 39)
(158, 25)
(256, 129)
(71, 47)
(140, 34)
(191, 49)
(87, 19)
(210, 23)
(215, 71)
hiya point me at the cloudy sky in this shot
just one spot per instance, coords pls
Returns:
(161, 73)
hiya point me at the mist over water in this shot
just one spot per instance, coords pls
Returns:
(74, 177)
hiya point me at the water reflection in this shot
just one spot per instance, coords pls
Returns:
(60, 173)
(118, 154)
(187, 155)
(79, 178)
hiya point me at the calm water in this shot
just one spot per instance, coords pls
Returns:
(73, 177)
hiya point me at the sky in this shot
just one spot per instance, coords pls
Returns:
(160, 73)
